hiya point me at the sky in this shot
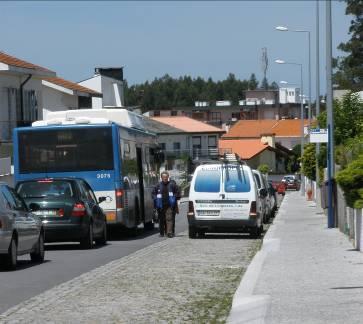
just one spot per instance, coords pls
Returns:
(152, 38)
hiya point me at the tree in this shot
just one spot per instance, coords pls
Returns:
(263, 168)
(252, 83)
(348, 118)
(349, 73)
(308, 161)
(274, 86)
(264, 84)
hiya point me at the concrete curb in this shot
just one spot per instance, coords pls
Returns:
(246, 307)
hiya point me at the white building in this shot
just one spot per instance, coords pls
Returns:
(28, 90)
(109, 82)
(289, 95)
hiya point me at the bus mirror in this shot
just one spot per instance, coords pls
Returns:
(101, 199)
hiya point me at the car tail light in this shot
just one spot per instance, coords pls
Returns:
(119, 193)
(45, 181)
(79, 210)
(191, 209)
(61, 212)
(253, 209)
(1, 224)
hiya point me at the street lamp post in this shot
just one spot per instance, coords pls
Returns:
(302, 187)
(283, 28)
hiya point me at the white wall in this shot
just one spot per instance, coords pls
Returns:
(54, 100)
(111, 89)
(289, 95)
(8, 116)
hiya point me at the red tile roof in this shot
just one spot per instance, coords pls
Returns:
(13, 61)
(70, 85)
(189, 125)
(246, 149)
(256, 128)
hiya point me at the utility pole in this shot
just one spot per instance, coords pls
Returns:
(330, 117)
(317, 79)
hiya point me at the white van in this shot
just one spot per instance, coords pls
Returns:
(224, 197)
(263, 193)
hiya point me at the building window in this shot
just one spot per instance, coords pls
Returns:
(176, 146)
(236, 115)
(156, 113)
(215, 116)
(84, 102)
(162, 146)
(212, 141)
(174, 113)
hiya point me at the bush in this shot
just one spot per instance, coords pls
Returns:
(309, 161)
(263, 168)
(351, 181)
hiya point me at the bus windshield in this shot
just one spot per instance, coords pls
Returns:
(66, 150)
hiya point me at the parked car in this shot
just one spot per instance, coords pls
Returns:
(68, 208)
(293, 184)
(21, 232)
(224, 198)
(281, 188)
(262, 184)
(273, 198)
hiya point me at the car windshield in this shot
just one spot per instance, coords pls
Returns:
(208, 180)
(45, 188)
(236, 179)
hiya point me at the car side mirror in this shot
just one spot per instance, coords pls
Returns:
(263, 192)
(101, 199)
(34, 207)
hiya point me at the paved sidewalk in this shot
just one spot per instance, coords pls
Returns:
(306, 273)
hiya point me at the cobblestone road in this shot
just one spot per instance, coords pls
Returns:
(177, 280)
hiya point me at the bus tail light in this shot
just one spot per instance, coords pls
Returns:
(191, 209)
(79, 210)
(119, 193)
(253, 209)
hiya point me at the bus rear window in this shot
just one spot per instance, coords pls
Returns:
(208, 181)
(62, 150)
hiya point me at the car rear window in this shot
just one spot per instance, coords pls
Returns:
(236, 180)
(45, 188)
(208, 180)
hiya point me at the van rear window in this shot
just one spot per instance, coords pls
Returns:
(236, 180)
(208, 181)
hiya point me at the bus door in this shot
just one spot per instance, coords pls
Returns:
(140, 174)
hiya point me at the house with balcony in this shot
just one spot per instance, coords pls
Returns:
(28, 90)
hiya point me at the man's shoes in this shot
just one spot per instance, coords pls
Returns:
(170, 235)
(161, 235)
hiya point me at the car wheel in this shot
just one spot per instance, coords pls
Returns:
(103, 239)
(192, 232)
(38, 254)
(87, 241)
(11, 258)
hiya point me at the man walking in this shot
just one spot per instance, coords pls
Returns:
(165, 195)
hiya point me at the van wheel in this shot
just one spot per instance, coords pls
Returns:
(201, 233)
(192, 232)
(38, 254)
(255, 232)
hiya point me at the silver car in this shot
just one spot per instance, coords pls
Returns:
(21, 232)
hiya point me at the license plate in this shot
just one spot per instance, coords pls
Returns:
(46, 212)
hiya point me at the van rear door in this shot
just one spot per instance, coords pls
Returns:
(207, 192)
(237, 194)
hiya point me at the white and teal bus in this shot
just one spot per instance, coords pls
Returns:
(109, 148)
